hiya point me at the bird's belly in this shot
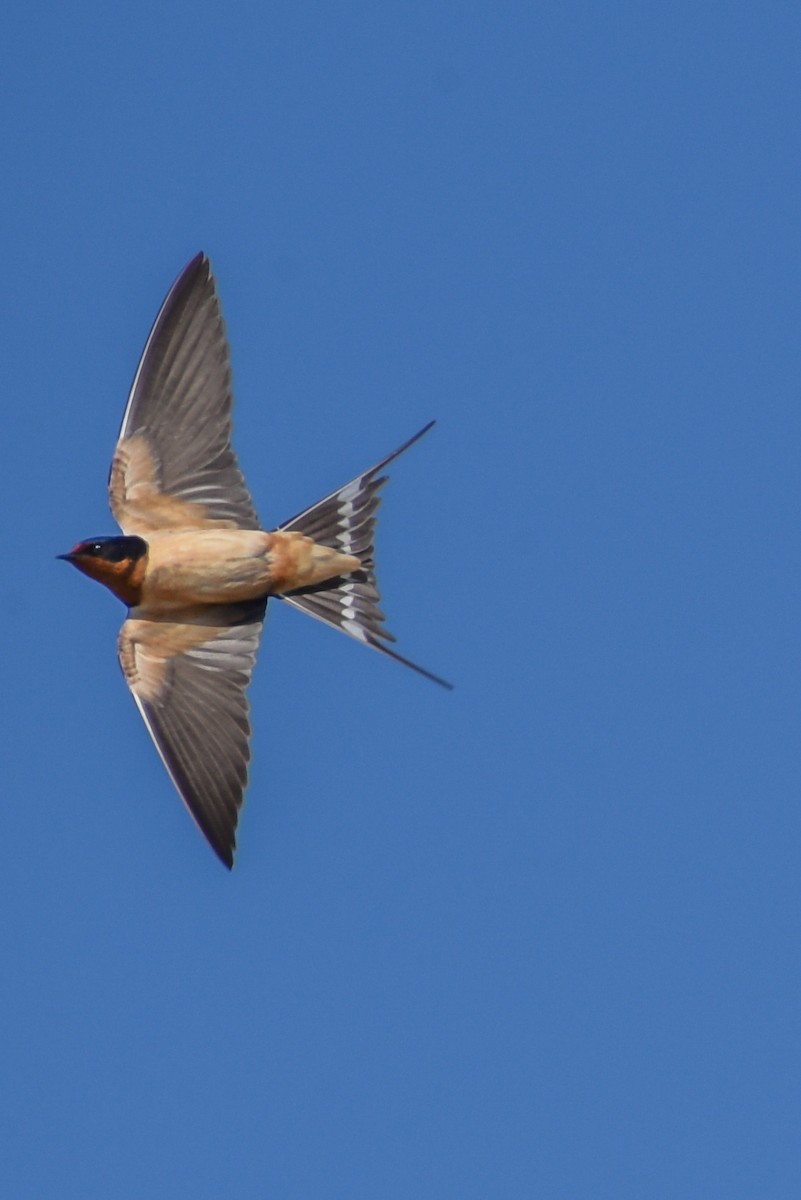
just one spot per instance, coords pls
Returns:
(206, 567)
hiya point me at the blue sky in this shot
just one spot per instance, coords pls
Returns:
(539, 937)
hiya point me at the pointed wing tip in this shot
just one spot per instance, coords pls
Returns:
(196, 265)
(224, 850)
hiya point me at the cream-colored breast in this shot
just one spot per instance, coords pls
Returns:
(206, 566)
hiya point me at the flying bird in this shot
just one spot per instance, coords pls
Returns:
(196, 569)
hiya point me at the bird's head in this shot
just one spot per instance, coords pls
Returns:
(117, 562)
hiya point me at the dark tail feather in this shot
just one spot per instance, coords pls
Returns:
(345, 520)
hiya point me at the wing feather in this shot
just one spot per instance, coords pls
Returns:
(174, 466)
(189, 677)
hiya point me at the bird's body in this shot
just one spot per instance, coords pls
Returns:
(196, 569)
(181, 567)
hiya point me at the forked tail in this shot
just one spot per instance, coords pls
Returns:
(345, 521)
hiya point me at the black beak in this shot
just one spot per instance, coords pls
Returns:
(67, 557)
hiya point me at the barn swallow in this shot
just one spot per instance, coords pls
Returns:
(195, 568)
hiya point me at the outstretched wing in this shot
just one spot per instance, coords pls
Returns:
(173, 466)
(189, 676)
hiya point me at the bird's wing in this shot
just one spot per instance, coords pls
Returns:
(189, 675)
(173, 465)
